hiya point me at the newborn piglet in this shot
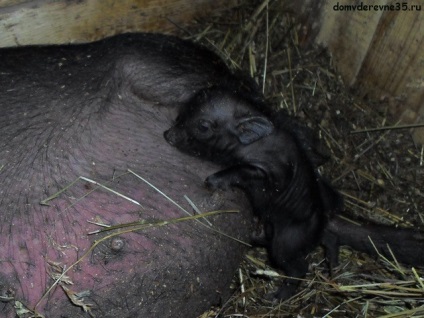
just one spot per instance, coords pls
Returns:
(265, 160)
(274, 162)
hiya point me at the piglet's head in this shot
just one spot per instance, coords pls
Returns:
(216, 124)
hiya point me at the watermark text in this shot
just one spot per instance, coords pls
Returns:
(398, 6)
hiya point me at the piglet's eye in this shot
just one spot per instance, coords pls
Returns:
(204, 130)
(204, 126)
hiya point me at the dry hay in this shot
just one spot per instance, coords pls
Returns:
(380, 173)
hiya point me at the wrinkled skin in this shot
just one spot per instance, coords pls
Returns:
(95, 111)
(265, 160)
(271, 160)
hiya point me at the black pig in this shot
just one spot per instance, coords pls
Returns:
(264, 159)
(96, 110)
(274, 163)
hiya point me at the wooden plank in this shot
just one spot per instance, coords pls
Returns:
(379, 52)
(348, 35)
(8, 3)
(395, 60)
(67, 21)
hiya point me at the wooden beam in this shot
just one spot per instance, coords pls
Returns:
(73, 21)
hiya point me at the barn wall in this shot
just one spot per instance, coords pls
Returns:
(380, 52)
(71, 21)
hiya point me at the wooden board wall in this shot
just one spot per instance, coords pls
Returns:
(71, 21)
(380, 52)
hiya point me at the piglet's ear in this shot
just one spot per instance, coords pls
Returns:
(251, 129)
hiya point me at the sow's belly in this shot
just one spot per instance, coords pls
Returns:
(65, 114)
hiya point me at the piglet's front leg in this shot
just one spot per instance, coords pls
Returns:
(241, 176)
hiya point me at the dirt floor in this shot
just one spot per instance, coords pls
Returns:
(380, 173)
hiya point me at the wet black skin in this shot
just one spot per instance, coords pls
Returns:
(261, 157)
(406, 244)
(268, 158)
